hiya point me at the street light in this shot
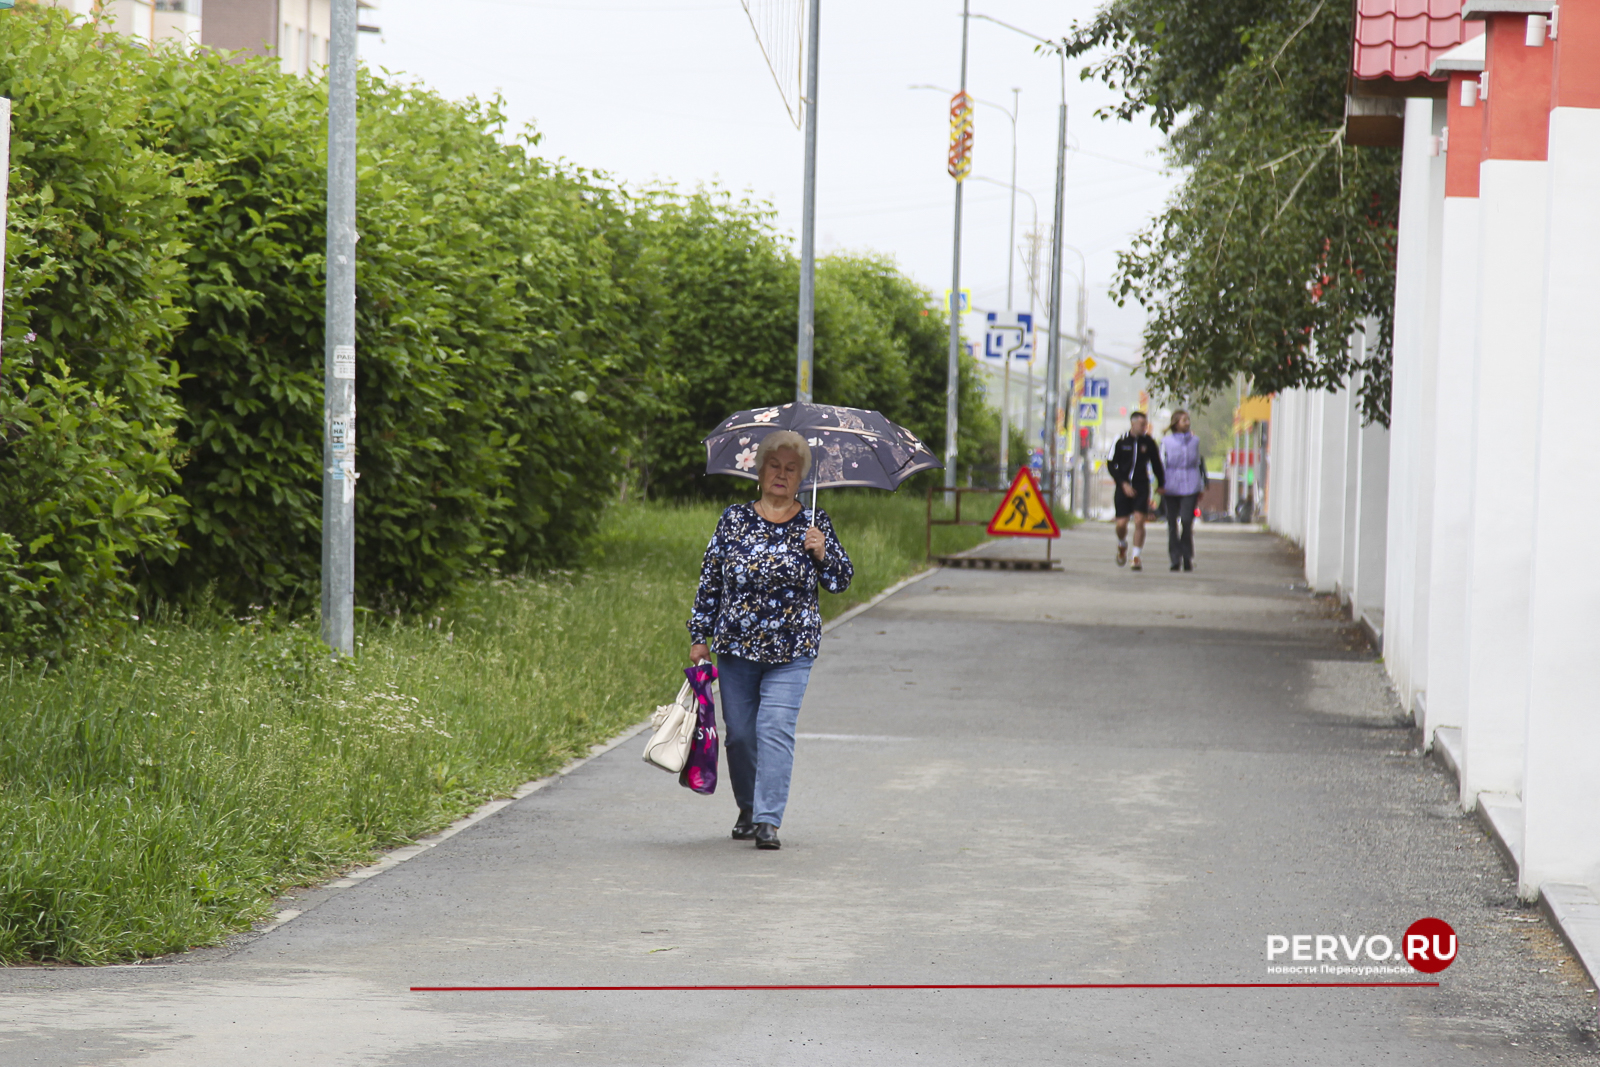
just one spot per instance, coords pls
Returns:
(805, 342)
(339, 340)
(1053, 361)
(1005, 407)
(1084, 345)
(1083, 277)
(960, 163)
(1011, 114)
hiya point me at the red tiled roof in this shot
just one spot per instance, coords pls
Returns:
(1400, 39)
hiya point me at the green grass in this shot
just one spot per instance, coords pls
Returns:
(157, 798)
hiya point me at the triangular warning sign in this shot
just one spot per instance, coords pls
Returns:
(1023, 513)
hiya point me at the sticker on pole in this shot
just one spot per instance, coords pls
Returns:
(1023, 512)
(344, 362)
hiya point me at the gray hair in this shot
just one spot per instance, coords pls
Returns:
(783, 439)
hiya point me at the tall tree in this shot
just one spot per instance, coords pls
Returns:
(1280, 242)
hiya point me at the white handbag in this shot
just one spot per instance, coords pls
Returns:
(674, 725)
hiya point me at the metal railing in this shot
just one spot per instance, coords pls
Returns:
(959, 521)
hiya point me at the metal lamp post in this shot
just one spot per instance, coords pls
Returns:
(960, 161)
(806, 340)
(339, 341)
(1011, 255)
(1053, 359)
(1005, 407)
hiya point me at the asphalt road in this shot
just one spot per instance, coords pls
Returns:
(1091, 776)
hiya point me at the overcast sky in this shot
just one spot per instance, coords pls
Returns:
(678, 90)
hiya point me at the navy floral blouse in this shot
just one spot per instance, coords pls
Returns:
(758, 586)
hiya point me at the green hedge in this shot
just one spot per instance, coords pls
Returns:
(486, 316)
(726, 301)
(93, 299)
(533, 338)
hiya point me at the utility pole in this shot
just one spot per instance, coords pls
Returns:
(1052, 370)
(960, 164)
(1011, 262)
(1052, 385)
(1082, 477)
(808, 221)
(1034, 238)
(5, 180)
(339, 342)
(1011, 231)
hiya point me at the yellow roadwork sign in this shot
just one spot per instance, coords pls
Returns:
(1023, 513)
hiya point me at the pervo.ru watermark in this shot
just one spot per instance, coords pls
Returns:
(1428, 945)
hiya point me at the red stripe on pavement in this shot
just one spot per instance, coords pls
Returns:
(946, 985)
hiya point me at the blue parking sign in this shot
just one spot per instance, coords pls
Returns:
(1008, 335)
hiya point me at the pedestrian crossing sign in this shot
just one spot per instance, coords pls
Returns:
(1023, 512)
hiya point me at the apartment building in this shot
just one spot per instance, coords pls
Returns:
(296, 31)
(148, 20)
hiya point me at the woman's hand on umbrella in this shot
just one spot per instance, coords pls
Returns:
(698, 653)
(816, 544)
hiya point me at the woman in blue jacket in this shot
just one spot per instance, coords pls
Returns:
(1186, 480)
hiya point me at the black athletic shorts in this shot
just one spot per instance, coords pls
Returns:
(1127, 505)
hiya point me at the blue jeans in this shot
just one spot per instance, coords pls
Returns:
(760, 704)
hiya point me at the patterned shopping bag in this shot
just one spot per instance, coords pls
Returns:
(700, 773)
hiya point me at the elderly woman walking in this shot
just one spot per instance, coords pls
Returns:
(1186, 480)
(757, 610)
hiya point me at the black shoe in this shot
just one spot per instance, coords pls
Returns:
(744, 829)
(1188, 564)
(1173, 567)
(767, 836)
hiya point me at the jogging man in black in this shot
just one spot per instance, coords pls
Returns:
(1132, 458)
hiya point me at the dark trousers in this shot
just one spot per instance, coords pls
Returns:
(1180, 526)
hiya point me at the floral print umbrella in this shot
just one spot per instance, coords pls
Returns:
(849, 446)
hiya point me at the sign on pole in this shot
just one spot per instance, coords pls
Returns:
(1091, 411)
(963, 301)
(1100, 387)
(1009, 336)
(959, 163)
(1023, 512)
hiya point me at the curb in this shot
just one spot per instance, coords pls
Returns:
(1573, 910)
(398, 856)
(880, 598)
(394, 858)
(1575, 913)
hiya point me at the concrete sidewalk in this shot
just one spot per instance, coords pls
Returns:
(1082, 776)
